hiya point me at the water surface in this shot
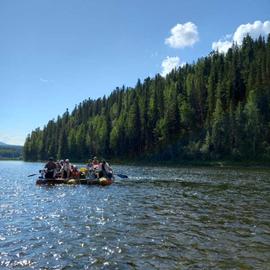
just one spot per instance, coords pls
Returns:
(158, 218)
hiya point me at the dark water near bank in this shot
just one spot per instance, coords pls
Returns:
(159, 218)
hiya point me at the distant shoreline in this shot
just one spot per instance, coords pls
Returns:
(222, 164)
(10, 159)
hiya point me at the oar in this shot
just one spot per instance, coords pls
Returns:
(32, 175)
(122, 175)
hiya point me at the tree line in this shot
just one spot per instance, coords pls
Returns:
(216, 108)
(10, 151)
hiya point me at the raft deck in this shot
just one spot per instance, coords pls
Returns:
(102, 181)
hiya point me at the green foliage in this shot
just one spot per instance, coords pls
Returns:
(217, 108)
(10, 151)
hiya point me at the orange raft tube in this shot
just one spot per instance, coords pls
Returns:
(103, 181)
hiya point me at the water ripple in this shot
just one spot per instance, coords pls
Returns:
(158, 218)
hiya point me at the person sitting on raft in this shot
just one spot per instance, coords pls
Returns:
(58, 168)
(89, 165)
(106, 170)
(50, 169)
(75, 173)
(90, 169)
(93, 168)
(95, 163)
(66, 169)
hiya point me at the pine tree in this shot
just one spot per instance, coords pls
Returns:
(216, 108)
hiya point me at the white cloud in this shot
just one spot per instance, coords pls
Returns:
(183, 35)
(222, 45)
(43, 80)
(254, 30)
(168, 64)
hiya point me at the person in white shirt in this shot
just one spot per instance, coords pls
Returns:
(66, 169)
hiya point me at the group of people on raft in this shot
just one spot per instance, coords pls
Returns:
(64, 169)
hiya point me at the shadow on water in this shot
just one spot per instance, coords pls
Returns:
(196, 184)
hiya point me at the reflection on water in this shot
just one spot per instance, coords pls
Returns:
(158, 218)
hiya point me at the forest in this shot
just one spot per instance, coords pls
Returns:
(10, 151)
(215, 109)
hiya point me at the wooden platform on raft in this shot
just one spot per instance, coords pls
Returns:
(101, 181)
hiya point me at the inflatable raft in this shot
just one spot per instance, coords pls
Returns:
(101, 181)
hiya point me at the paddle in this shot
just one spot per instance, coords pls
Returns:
(32, 174)
(121, 175)
(40, 171)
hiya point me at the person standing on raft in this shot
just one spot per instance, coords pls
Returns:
(50, 169)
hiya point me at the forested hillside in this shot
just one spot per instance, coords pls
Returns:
(8, 151)
(216, 108)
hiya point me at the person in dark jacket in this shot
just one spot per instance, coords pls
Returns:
(50, 169)
(106, 170)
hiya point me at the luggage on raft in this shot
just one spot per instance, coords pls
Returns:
(103, 181)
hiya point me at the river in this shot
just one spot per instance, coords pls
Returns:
(158, 218)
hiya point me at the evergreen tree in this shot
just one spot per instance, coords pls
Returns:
(216, 108)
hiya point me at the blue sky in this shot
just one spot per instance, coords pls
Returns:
(55, 54)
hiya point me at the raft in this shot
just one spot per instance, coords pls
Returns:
(101, 181)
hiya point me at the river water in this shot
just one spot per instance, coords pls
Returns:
(158, 218)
